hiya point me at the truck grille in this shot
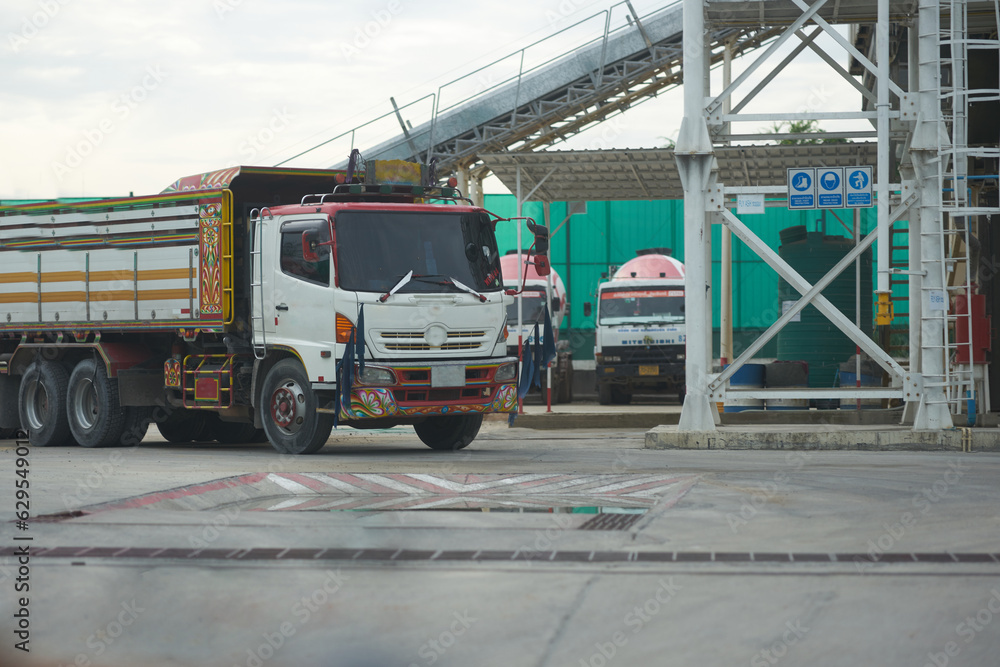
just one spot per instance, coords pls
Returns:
(413, 341)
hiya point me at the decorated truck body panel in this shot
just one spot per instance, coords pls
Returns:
(237, 305)
(640, 333)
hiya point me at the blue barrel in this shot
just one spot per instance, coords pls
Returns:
(785, 375)
(848, 379)
(748, 376)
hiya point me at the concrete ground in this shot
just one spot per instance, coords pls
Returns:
(379, 551)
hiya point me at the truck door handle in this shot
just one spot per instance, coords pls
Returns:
(281, 306)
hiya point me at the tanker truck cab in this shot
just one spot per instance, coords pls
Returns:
(393, 311)
(641, 334)
(538, 292)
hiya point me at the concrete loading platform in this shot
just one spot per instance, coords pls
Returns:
(875, 430)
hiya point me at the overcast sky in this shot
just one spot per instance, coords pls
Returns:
(107, 97)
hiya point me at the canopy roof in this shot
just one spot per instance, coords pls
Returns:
(651, 173)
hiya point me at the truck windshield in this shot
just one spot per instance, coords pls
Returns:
(646, 306)
(532, 309)
(376, 250)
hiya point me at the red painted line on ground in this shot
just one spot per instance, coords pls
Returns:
(306, 481)
(184, 492)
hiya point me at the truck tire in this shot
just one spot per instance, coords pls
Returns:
(620, 396)
(603, 393)
(449, 433)
(96, 418)
(288, 411)
(182, 425)
(231, 433)
(137, 420)
(7, 433)
(41, 404)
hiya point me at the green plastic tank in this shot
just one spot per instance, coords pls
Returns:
(814, 339)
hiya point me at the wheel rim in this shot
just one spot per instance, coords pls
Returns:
(36, 405)
(287, 406)
(85, 405)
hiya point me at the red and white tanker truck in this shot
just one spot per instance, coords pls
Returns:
(640, 332)
(538, 291)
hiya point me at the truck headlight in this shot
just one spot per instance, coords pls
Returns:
(375, 375)
(506, 372)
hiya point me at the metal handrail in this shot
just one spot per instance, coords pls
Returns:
(438, 110)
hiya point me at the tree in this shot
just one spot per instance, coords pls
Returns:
(801, 127)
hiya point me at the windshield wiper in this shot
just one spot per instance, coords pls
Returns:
(405, 279)
(466, 288)
(448, 280)
(440, 279)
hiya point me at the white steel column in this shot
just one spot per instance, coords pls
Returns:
(726, 250)
(915, 280)
(695, 157)
(933, 412)
(882, 128)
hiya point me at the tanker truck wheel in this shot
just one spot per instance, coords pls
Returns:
(449, 433)
(288, 411)
(96, 419)
(41, 404)
(604, 393)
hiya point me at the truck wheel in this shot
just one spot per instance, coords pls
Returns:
(604, 394)
(183, 425)
(137, 420)
(96, 419)
(620, 396)
(288, 411)
(42, 404)
(449, 433)
(231, 433)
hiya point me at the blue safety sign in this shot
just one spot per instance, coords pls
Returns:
(801, 188)
(858, 186)
(831, 187)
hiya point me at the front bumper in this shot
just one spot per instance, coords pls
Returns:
(415, 393)
(642, 375)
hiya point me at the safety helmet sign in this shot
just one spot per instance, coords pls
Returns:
(831, 187)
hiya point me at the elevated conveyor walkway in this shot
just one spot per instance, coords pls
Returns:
(547, 103)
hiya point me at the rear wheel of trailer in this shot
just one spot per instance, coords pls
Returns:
(42, 404)
(95, 416)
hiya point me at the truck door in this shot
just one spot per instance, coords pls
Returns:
(302, 312)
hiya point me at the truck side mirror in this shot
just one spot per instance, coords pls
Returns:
(310, 246)
(542, 266)
(586, 309)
